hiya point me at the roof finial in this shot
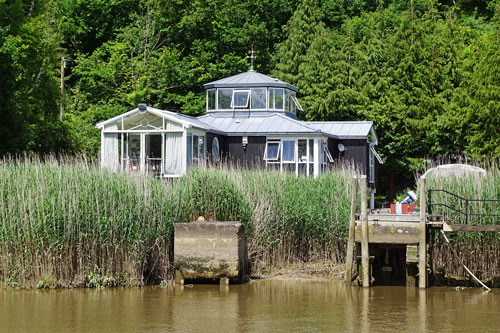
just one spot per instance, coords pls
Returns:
(251, 57)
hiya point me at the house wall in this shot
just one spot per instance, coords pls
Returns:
(252, 156)
(356, 151)
(232, 149)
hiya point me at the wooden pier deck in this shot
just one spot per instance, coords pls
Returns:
(398, 231)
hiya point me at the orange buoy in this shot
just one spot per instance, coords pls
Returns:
(200, 219)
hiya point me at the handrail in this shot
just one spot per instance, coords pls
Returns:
(467, 213)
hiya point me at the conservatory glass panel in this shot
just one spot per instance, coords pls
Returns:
(224, 98)
(288, 151)
(134, 151)
(195, 149)
(201, 146)
(311, 150)
(287, 99)
(302, 149)
(258, 99)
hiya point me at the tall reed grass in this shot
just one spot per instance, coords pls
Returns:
(67, 222)
(480, 251)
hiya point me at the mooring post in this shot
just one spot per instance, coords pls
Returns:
(365, 261)
(422, 246)
(350, 240)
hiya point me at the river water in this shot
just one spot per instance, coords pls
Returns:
(260, 306)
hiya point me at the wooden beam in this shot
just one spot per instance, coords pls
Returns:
(390, 232)
(473, 227)
(394, 217)
(365, 262)
(422, 245)
(350, 241)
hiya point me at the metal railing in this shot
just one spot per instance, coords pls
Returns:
(466, 203)
(151, 165)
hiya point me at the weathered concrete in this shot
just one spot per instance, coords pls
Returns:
(210, 250)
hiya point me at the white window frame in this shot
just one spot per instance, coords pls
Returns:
(241, 91)
(296, 102)
(371, 166)
(309, 161)
(295, 146)
(273, 160)
(326, 151)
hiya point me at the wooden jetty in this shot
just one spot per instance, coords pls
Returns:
(409, 233)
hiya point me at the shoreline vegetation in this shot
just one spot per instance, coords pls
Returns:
(65, 222)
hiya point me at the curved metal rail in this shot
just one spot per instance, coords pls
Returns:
(467, 212)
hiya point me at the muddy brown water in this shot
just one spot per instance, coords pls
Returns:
(262, 306)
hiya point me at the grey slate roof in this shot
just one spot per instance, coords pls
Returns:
(272, 124)
(344, 129)
(249, 79)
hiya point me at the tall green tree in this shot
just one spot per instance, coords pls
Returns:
(29, 63)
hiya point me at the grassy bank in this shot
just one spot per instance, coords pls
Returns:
(480, 251)
(70, 223)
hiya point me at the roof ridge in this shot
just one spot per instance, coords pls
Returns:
(341, 121)
(299, 122)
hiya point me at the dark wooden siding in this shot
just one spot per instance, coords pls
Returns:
(232, 150)
(356, 151)
(252, 156)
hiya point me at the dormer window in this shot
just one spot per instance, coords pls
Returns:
(240, 99)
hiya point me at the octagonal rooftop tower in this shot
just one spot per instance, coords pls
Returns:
(251, 94)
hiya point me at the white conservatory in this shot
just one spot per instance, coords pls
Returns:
(153, 141)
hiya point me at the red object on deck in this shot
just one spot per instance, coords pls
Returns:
(412, 207)
(393, 208)
(404, 208)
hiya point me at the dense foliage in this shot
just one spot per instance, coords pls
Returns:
(427, 72)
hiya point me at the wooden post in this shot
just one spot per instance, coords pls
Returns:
(365, 261)
(352, 225)
(422, 246)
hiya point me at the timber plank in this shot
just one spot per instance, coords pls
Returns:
(473, 227)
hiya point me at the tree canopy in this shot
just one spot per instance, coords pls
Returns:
(426, 72)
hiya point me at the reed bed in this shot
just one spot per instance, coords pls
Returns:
(67, 222)
(480, 251)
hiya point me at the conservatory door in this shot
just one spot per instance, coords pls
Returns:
(132, 150)
(153, 155)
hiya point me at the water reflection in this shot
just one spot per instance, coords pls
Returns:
(260, 306)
